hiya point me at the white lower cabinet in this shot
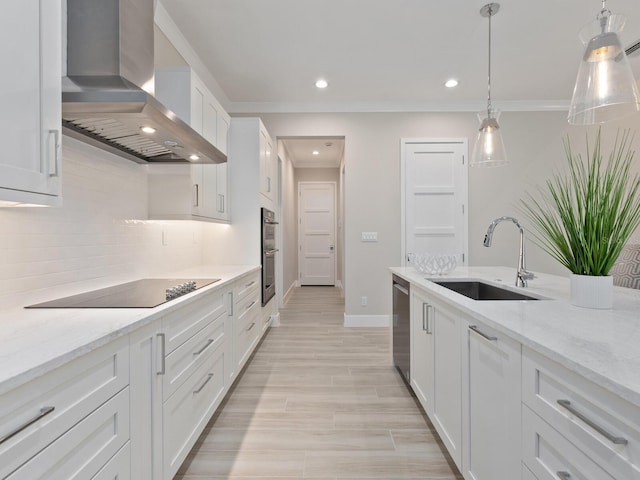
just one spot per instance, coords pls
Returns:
(187, 411)
(182, 365)
(118, 468)
(61, 407)
(491, 405)
(575, 426)
(435, 367)
(83, 450)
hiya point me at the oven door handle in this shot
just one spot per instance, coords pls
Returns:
(270, 222)
(270, 253)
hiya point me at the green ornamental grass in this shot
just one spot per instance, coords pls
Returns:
(584, 218)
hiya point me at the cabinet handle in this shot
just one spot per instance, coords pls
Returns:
(207, 380)
(250, 305)
(562, 475)
(231, 304)
(249, 284)
(612, 438)
(429, 320)
(475, 328)
(220, 203)
(206, 345)
(56, 146)
(44, 411)
(251, 326)
(163, 364)
(426, 326)
(196, 192)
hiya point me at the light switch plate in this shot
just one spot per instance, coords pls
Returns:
(369, 236)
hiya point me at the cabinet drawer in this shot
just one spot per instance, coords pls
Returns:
(186, 413)
(550, 456)
(118, 468)
(182, 324)
(82, 451)
(602, 425)
(246, 287)
(73, 391)
(247, 330)
(185, 359)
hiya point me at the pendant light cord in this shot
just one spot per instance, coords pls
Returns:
(489, 68)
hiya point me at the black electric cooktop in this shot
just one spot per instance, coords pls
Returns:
(145, 293)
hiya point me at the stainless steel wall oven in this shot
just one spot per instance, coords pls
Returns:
(268, 245)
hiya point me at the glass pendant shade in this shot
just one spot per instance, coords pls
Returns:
(605, 87)
(489, 148)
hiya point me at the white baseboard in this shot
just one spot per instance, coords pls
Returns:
(367, 320)
(286, 296)
(275, 320)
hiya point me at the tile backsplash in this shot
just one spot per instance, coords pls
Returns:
(100, 235)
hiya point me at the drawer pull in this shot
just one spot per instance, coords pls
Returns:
(231, 304)
(206, 345)
(250, 305)
(612, 438)
(562, 475)
(44, 411)
(207, 380)
(249, 284)
(251, 326)
(475, 328)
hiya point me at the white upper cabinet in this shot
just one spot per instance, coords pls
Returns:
(203, 193)
(31, 102)
(267, 165)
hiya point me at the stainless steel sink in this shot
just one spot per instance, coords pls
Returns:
(483, 291)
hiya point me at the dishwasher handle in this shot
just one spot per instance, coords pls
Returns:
(401, 288)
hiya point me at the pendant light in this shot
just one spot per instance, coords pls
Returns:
(605, 88)
(489, 149)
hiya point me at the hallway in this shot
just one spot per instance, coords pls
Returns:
(319, 401)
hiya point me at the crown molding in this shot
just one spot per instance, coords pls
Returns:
(397, 107)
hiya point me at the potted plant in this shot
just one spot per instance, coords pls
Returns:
(585, 216)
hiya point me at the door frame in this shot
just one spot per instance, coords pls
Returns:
(403, 203)
(335, 228)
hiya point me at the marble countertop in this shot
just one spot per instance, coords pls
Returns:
(35, 341)
(601, 345)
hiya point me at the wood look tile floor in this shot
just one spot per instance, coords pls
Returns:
(319, 401)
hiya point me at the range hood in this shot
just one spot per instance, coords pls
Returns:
(107, 95)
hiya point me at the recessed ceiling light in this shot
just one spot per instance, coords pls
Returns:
(322, 83)
(194, 157)
(148, 129)
(315, 152)
(452, 82)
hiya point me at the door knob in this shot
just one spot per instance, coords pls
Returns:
(331, 247)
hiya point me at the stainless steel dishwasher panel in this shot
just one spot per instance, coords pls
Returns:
(401, 326)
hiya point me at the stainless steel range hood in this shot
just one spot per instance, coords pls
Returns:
(106, 99)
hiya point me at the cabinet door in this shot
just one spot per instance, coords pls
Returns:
(447, 390)
(266, 165)
(422, 350)
(493, 406)
(223, 131)
(222, 192)
(147, 347)
(31, 118)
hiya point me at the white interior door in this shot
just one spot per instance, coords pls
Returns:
(317, 231)
(435, 197)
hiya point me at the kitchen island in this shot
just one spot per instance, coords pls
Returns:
(563, 379)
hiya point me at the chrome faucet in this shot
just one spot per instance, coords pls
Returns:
(522, 274)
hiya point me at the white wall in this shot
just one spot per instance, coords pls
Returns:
(289, 220)
(100, 236)
(372, 185)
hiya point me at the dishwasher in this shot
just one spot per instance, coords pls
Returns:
(401, 326)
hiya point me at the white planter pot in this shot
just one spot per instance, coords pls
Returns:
(591, 291)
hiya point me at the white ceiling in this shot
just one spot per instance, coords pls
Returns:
(392, 55)
(330, 151)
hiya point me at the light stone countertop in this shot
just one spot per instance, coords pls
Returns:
(35, 341)
(601, 345)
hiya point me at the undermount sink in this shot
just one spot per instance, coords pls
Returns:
(483, 291)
